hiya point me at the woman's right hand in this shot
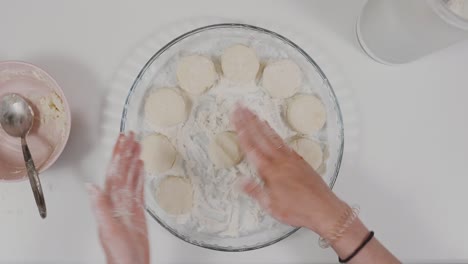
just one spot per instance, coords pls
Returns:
(295, 194)
(292, 191)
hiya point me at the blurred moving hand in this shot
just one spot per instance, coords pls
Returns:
(292, 192)
(119, 206)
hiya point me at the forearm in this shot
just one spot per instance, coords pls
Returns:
(373, 252)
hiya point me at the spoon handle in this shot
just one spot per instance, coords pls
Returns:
(34, 179)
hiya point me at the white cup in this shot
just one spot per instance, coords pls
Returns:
(401, 31)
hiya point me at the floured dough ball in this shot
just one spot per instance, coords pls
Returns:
(196, 74)
(282, 79)
(224, 150)
(165, 107)
(157, 153)
(174, 194)
(240, 64)
(306, 114)
(309, 150)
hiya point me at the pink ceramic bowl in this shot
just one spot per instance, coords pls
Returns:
(52, 119)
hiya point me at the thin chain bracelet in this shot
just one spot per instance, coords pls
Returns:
(346, 220)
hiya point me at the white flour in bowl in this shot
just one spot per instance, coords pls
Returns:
(219, 208)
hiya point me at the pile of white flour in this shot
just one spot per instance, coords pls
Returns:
(219, 206)
(220, 209)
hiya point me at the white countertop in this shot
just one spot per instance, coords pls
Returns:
(406, 146)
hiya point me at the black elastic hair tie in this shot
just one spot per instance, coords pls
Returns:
(363, 244)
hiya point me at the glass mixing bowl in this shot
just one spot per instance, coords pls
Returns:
(213, 39)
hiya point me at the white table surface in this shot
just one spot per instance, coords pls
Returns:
(406, 158)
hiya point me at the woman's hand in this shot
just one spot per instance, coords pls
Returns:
(119, 207)
(292, 191)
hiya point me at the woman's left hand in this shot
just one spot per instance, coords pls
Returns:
(119, 206)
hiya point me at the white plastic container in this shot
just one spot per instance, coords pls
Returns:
(401, 31)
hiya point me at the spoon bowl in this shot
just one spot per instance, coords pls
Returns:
(16, 115)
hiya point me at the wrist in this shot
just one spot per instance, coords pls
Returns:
(325, 221)
(351, 239)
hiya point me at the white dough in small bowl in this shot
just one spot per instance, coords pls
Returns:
(306, 114)
(165, 107)
(282, 79)
(196, 74)
(240, 64)
(157, 153)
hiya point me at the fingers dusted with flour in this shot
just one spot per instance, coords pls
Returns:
(129, 156)
(119, 207)
(258, 140)
(256, 191)
(291, 190)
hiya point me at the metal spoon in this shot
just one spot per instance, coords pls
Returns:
(16, 118)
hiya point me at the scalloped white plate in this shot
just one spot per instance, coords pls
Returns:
(128, 71)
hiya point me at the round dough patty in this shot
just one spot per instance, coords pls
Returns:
(282, 79)
(157, 153)
(240, 64)
(165, 107)
(306, 114)
(174, 194)
(224, 150)
(309, 150)
(196, 74)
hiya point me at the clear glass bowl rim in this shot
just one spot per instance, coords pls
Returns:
(259, 30)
